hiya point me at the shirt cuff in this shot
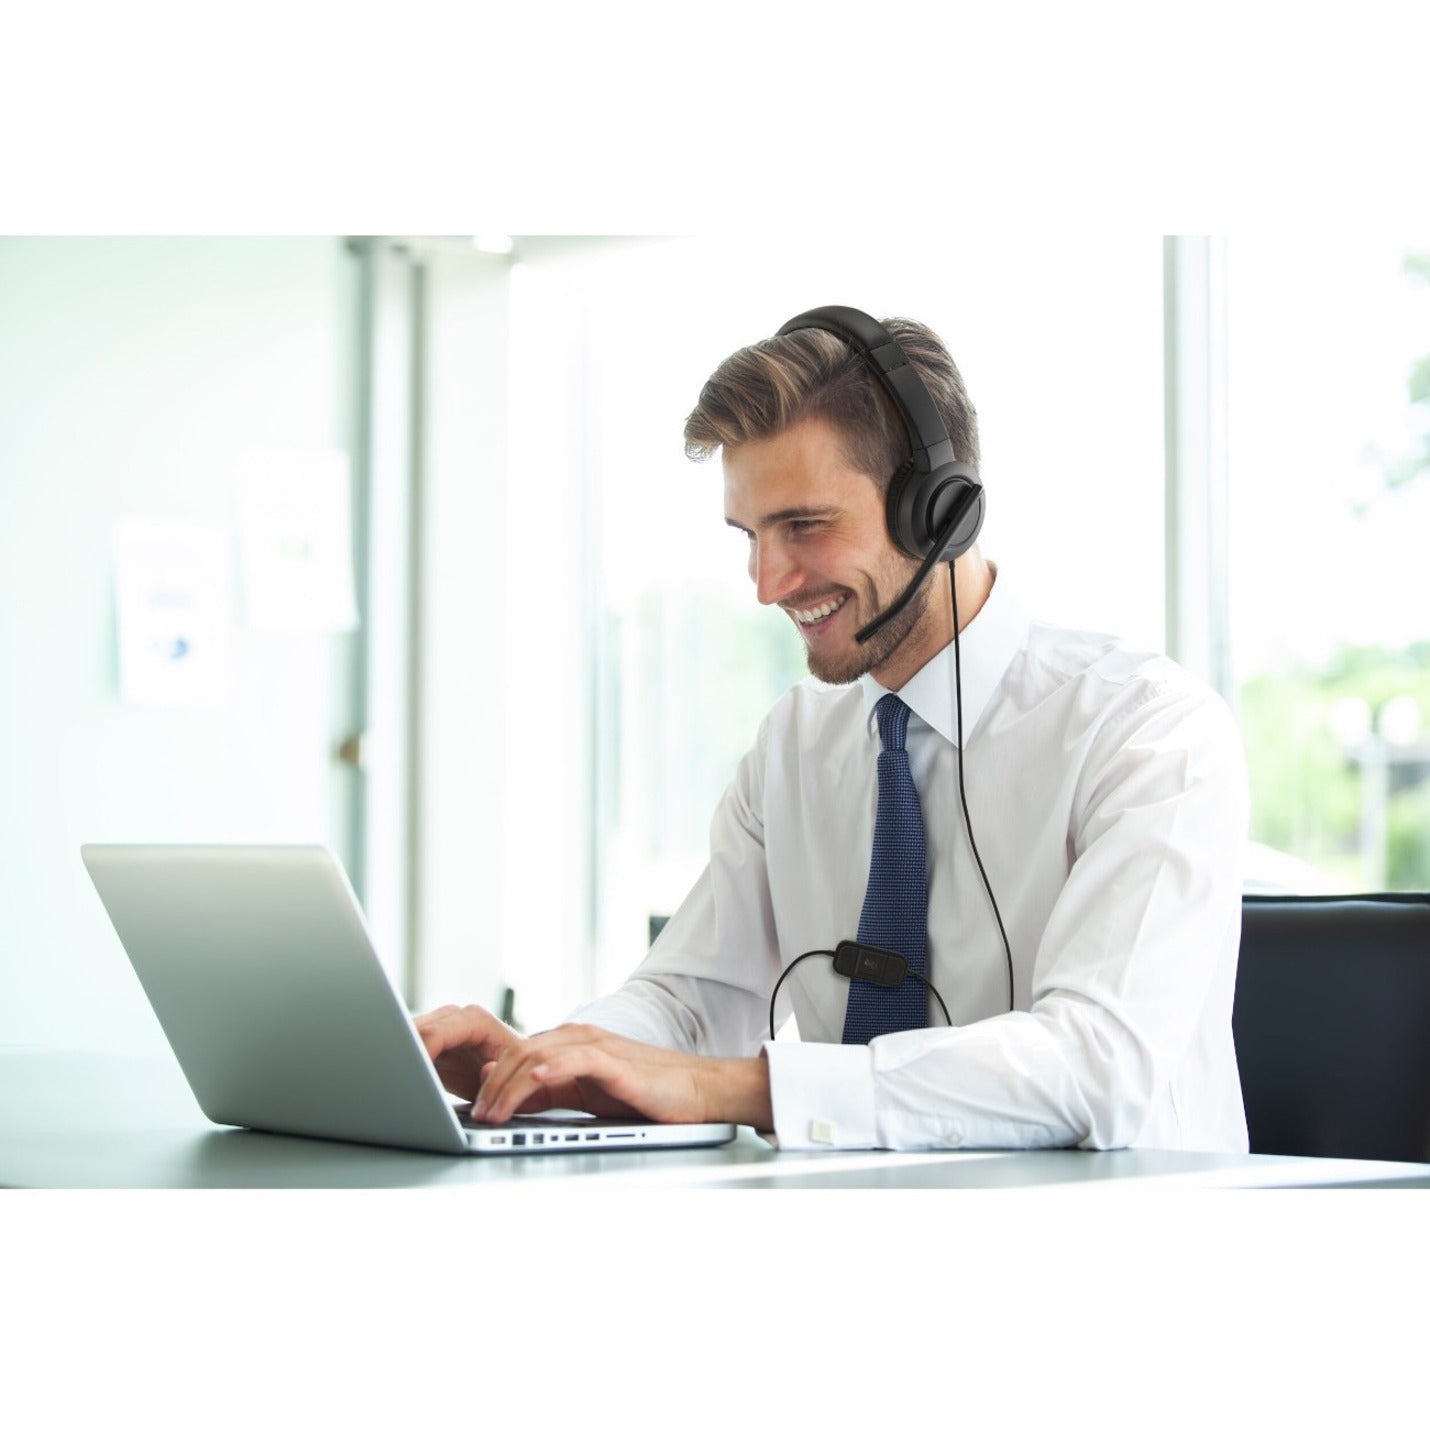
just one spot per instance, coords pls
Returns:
(822, 1095)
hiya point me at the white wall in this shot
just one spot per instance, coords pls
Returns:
(136, 374)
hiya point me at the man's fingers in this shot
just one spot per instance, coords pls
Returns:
(498, 1076)
(541, 1077)
(462, 1043)
(596, 1071)
(442, 1028)
(451, 1027)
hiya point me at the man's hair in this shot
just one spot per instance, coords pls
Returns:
(761, 390)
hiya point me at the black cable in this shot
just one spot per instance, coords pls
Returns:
(814, 953)
(935, 992)
(963, 797)
(829, 953)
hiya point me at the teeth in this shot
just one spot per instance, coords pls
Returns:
(818, 613)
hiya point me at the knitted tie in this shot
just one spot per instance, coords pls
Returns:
(896, 904)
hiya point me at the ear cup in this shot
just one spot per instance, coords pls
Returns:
(919, 506)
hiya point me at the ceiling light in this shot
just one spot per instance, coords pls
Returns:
(498, 243)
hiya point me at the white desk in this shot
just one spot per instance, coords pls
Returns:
(103, 1120)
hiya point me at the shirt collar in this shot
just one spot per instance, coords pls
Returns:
(987, 646)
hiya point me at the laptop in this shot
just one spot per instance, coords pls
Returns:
(260, 969)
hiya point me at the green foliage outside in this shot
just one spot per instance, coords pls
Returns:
(1306, 791)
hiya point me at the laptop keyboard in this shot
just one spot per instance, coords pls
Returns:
(526, 1122)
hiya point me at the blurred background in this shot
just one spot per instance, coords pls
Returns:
(390, 544)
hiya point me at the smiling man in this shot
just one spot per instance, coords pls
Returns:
(820, 551)
(1039, 828)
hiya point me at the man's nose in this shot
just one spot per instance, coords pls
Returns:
(774, 574)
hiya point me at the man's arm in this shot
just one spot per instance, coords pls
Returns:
(1137, 959)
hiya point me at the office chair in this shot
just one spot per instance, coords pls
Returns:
(1332, 1025)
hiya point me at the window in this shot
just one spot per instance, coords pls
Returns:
(1328, 416)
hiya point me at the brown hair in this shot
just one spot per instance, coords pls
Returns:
(772, 384)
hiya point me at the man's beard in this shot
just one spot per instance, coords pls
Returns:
(840, 668)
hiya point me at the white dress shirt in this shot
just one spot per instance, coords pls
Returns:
(1108, 796)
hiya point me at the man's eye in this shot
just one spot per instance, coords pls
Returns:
(801, 525)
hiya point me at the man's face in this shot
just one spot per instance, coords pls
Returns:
(819, 549)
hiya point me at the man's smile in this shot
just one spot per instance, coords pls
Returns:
(813, 618)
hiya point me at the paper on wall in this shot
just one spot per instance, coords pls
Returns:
(174, 602)
(295, 525)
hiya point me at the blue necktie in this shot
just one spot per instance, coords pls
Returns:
(896, 904)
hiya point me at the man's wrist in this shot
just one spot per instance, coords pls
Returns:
(740, 1092)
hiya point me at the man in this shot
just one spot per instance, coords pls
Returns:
(1078, 912)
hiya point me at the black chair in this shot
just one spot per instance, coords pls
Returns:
(1332, 1025)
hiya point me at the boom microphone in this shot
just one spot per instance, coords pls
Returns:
(962, 503)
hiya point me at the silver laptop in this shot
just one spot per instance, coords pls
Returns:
(260, 969)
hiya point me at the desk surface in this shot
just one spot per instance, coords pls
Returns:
(75, 1119)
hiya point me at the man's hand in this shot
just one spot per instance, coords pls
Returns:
(594, 1071)
(463, 1041)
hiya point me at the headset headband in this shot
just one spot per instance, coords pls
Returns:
(928, 437)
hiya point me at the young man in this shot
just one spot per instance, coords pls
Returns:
(1101, 801)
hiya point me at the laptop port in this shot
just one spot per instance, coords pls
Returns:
(593, 1136)
(498, 1140)
(573, 1136)
(537, 1138)
(518, 1139)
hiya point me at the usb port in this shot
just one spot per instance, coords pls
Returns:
(593, 1136)
(498, 1141)
(537, 1138)
(518, 1139)
(573, 1136)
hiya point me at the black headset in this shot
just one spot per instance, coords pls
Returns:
(935, 504)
